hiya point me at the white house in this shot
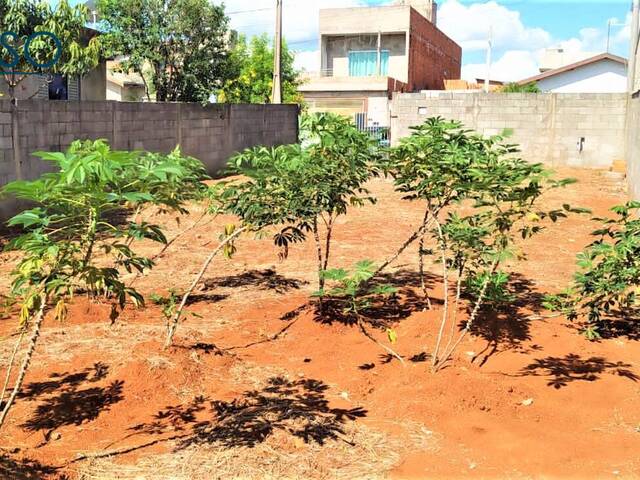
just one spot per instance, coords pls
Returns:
(604, 73)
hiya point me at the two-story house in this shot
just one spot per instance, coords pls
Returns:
(367, 53)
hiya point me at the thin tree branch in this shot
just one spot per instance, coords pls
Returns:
(445, 280)
(373, 339)
(10, 365)
(474, 313)
(171, 330)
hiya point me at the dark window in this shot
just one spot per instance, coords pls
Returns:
(58, 88)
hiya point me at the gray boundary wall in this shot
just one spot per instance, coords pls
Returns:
(211, 133)
(633, 146)
(547, 126)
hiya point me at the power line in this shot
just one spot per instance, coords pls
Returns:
(237, 12)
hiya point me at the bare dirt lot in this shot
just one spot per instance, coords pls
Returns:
(257, 386)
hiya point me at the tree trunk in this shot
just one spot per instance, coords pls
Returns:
(423, 283)
(316, 237)
(474, 313)
(456, 306)
(327, 245)
(27, 358)
(10, 365)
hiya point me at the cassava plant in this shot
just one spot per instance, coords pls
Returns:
(454, 170)
(299, 188)
(607, 284)
(434, 166)
(77, 237)
(506, 213)
(306, 187)
(312, 184)
(352, 290)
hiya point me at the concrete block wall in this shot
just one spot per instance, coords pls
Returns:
(211, 133)
(633, 147)
(548, 127)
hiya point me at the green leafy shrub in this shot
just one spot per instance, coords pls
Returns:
(607, 285)
(300, 189)
(447, 167)
(353, 291)
(496, 293)
(77, 237)
(305, 187)
(515, 87)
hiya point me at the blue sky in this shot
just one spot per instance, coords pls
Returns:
(523, 28)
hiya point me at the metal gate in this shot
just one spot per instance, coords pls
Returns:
(374, 129)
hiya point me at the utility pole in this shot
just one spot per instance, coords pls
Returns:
(633, 47)
(276, 92)
(489, 45)
(609, 25)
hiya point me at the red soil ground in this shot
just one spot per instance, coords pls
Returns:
(525, 397)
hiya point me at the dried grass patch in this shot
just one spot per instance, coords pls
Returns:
(284, 429)
(362, 453)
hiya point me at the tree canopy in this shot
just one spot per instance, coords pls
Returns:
(186, 43)
(253, 62)
(515, 87)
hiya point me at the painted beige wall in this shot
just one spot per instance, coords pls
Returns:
(345, 21)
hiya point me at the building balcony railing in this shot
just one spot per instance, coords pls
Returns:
(320, 82)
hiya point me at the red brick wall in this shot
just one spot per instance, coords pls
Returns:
(433, 57)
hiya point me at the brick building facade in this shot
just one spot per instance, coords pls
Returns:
(368, 53)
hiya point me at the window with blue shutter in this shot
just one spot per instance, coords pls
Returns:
(364, 63)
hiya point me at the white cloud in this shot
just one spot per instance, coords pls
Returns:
(299, 18)
(308, 61)
(513, 65)
(595, 39)
(517, 47)
(469, 26)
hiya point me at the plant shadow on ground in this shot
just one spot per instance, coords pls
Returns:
(571, 368)
(25, 469)
(616, 324)
(382, 313)
(616, 328)
(70, 400)
(267, 279)
(507, 326)
(298, 407)
(205, 297)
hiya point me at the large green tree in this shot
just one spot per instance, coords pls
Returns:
(253, 83)
(184, 42)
